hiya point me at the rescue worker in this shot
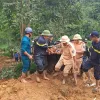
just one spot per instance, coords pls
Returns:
(51, 56)
(80, 49)
(87, 65)
(54, 53)
(86, 55)
(67, 58)
(57, 53)
(40, 54)
(94, 61)
(26, 53)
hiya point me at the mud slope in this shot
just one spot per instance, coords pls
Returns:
(46, 90)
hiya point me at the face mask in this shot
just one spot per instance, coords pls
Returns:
(30, 34)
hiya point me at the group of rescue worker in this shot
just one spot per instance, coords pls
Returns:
(68, 56)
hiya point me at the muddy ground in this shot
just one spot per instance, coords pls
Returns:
(13, 89)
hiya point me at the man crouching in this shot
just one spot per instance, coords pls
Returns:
(67, 58)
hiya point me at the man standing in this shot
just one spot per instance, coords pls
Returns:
(86, 55)
(80, 49)
(40, 54)
(26, 53)
(67, 58)
(94, 60)
(51, 56)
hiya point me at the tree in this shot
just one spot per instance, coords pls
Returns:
(60, 17)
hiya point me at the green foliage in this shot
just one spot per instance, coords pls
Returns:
(7, 73)
(15, 71)
(3, 47)
(89, 43)
(60, 17)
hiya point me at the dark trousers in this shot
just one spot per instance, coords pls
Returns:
(90, 64)
(52, 60)
(41, 62)
(16, 59)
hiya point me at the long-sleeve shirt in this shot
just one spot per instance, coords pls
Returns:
(80, 47)
(40, 46)
(68, 53)
(25, 46)
(94, 57)
(96, 48)
(16, 55)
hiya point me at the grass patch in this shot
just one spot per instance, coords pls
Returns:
(3, 47)
(15, 71)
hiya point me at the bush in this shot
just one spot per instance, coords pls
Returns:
(15, 71)
(89, 43)
(32, 68)
(7, 73)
